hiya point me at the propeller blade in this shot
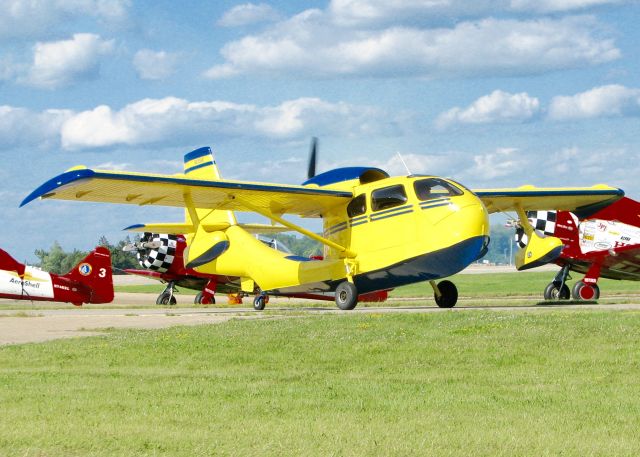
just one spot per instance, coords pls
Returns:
(312, 158)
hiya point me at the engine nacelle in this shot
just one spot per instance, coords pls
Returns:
(205, 247)
(538, 251)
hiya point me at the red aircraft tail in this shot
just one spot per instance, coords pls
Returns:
(94, 272)
(10, 264)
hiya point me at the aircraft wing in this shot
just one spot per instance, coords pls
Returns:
(84, 184)
(576, 199)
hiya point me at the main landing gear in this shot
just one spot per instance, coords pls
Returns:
(346, 295)
(581, 290)
(167, 297)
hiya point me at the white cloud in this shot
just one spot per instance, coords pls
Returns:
(62, 63)
(172, 119)
(310, 45)
(247, 14)
(368, 12)
(36, 18)
(154, 65)
(22, 127)
(604, 101)
(496, 107)
(549, 6)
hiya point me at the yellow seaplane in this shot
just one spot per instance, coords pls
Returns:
(379, 232)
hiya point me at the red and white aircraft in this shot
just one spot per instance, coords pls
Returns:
(603, 244)
(88, 282)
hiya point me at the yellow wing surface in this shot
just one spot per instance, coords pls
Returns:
(529, 198)
(84, 184)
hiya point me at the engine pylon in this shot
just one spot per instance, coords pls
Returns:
(540, 249)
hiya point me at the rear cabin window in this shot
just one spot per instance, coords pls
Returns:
(357, 206)
(430, 188)
(388, 197)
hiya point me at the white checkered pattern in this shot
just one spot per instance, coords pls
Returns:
(160, 259)
(544, 222)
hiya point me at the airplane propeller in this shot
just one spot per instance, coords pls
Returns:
(313, 158)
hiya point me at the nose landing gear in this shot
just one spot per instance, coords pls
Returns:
(445, 293)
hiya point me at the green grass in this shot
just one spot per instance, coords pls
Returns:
(145, 288)
(454, 383)
(512, 284)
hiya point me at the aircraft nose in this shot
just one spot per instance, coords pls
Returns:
(468, 226)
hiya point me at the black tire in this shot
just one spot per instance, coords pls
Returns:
(165, 298)
(552, 292)
(583, 291)
(198, 300)
(448, 294)
(346, 296)
(259, 302)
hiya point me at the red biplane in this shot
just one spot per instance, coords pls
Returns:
(88, 282)
(602, 244)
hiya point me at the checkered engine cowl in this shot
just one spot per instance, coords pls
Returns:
(544, 222)
(159, 259)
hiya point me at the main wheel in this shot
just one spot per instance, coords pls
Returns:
(166, 298)
(583, 291)
(200, 300)
(258, 302)
(552, 292)
(346, 296)
(448, 294)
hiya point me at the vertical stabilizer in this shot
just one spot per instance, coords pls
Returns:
(200, 164)
(94, 272)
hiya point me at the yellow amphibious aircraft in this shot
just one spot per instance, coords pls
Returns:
(379, 232)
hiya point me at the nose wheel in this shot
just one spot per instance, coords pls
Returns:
(445, 293)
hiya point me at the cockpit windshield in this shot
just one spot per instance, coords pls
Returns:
(430, 188)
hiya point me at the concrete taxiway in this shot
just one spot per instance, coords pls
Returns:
(30, 326)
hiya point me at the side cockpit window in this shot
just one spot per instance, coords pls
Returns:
(357, 206)
(430, 188)
(388, 197)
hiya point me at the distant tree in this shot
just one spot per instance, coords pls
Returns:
(299, 245)
(57, 260)
(499, 247)
(120, 260)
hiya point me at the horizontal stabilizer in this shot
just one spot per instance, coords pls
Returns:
(176, 228)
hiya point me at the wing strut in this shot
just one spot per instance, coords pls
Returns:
(347, 253)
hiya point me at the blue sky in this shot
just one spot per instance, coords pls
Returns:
(491, 93)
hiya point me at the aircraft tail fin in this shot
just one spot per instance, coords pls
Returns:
(201, 164)
(566, 228)
(10, 264)
(94, 272)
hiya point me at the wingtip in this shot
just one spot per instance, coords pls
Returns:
(48, 188)
(134, 227)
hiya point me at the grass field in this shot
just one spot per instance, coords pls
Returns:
(472, 383)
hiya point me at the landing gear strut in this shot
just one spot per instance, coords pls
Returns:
(557, 289)
(167, 297)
